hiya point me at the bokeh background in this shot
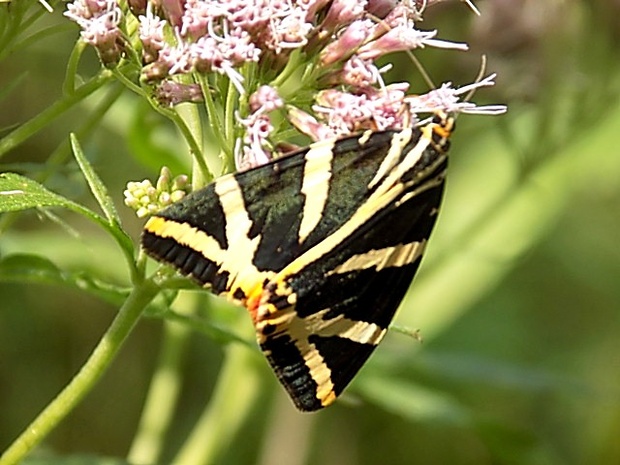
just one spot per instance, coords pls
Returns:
(517, 300)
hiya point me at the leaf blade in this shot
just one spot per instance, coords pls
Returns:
(19, 193)
(100, 192)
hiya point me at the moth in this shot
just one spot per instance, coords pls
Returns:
(319, 245)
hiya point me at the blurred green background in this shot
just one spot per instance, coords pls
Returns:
(517, 300)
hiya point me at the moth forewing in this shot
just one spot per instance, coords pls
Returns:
(347, 288)
(320, 246)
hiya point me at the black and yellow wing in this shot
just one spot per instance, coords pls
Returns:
(320, 246)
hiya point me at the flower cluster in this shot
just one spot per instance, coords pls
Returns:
(147, 199)
(99, 20)
(258, 128)
(310, 63)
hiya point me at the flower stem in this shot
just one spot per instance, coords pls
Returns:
(194, 144)
(230, 110)
(31, 127)
(86, 378)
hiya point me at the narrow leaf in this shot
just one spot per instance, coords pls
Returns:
(94, 182)
(27, 268)
(20, 193)
(412, 401)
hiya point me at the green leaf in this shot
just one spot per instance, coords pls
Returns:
(419, 404)
(16, 268)
(20, 193)
(94, 182)
(27, 268)
(412, 401)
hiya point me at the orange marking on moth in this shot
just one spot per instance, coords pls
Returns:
(253, 301)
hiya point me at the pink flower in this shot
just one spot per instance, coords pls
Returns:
(170, 93)
(447, 98)
(151, 33)
(347, 43)
(99, 20)
(265, 99)
(254, 153)
(403, 38)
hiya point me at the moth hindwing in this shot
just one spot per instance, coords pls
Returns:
(319, 245)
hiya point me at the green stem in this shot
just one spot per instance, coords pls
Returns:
(69, 86)
(60, 154)
(120, 74)
(189, 116)
(192, 142)
(31, 127)
(163, 392)
(86, 378)
(289, 70)
(12, 24)
(238, 390)
(212, 113)
(232, 99)
(63, 151)
(42, 35)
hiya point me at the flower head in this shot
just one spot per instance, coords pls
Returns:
(99, 20)
(147, 199)
(151, 33)
(448, 98)
(267, 68)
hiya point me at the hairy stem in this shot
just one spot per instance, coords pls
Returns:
(86, 378)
